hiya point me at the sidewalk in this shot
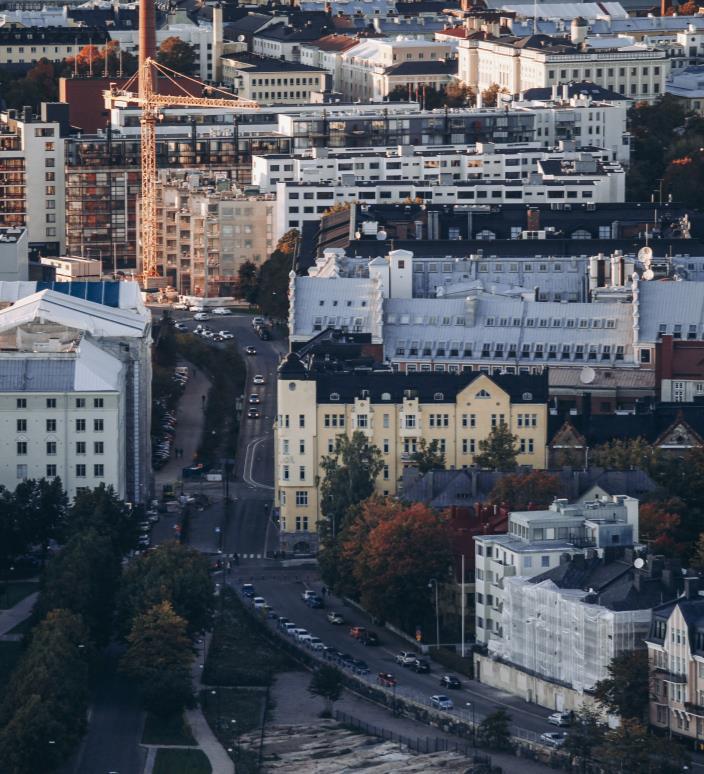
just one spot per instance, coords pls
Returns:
(189, 426)
(15, 615)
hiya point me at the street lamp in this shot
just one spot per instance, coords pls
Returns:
(437, 612)
(474, 725)
(217, 693)
(235, 736)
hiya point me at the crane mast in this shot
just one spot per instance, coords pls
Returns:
(151, 104)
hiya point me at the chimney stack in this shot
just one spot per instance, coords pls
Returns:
(147, 31)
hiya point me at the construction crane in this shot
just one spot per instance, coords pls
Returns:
(152, 104)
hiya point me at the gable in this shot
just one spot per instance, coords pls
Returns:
(568, 436)
(679, 436)
(482, 391)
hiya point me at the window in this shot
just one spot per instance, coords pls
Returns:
(544, 561)
(528, 562)
(301, 420)
(51, 425)
(410, 421)
(362, 421)
(98, 403)
(386, 472)
(22, 471)
(98, 425)
(51, 402)
(80, 402)
(285, 473)
(385, 421)
(98, 471)
(80, 447)
(302, 473)
(483, 394)
(21, 425)
(80, 425)
(98, 447)
(386, 446)
(80, 471)
(50, 471)
(468, 446)
(21, 403)
(21, 448)
(301, 498)
(51, 448)
(301, 447)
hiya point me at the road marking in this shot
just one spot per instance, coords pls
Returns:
(248, 471)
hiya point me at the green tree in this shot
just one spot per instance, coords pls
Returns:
(623, 454)
(83, 578)
(630, 749)
(158, 658)
(428, 456)
(178, 55)
(327, 683)
(458, 94)
(273, 278)
(585, 735)
(697, 560)
(494, 731)
(41, 508)
(247, 282)
(101, 510)
(13, 540)
(499, 450)
(626, 690)
(518, 491)
(171, 573)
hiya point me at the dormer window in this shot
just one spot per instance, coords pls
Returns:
(386, 396)
(482, 394)
(439, 396)
(527, 396)
(334, 396)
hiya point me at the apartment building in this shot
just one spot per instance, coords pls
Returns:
(428, 164)
(636, 70)
(194, 210)
(394, 411)
(75, 400)
(22, 47)
(534, 543)
(32, 175)
(14, 254)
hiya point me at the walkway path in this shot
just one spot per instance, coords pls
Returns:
(15, 615)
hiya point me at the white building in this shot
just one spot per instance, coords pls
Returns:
(687, 86)
(75, 395)
(535, 542)
(14, 260)
(32, 176)
(73, 269)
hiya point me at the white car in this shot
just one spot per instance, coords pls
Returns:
(315, 643)
(298, 633)
(227, 336)
(259, 602)
(289, 628)
(258, 379)
(257, 321)
(305, 639)
(441, 702)
(553, 738)
(222, 310)
(560, 719)
(201, 316)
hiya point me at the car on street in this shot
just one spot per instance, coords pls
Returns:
(450, 681)
(253, 413)
(254, 398)
(315, 643)
(357, 632)
(308, 593)
(257, 321)
(370, 638)
(386, 678)
(223, 310)
(259, 602)
(345, 660)
(289, 628)
(298, 633)
(421, 666)
(553, 738)
(315, 602)
(561, 718)
(282, 620)
(440, 701)
(258, 379)
(227, 336)
(248, 590)
(304, 639)
(216, 337)
(180, 327)
(406, 658)
(250, 350)
(335, 618)
(201, 316)
(360, 666)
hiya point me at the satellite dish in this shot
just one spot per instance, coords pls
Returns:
(241, 38)
(648, 274)
(645, 254)
(381, 235)
(587, 375)
(639, 563)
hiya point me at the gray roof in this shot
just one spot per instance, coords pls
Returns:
(670, 303)
(36, 375)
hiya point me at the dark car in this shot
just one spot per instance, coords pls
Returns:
(421, 666)
(250, 350)
(370, 638)
(253, 413)
(248, 590)
(315, 602)
(450, 681)
(345, 660)
(360, 666)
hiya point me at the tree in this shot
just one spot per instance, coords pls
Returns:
(327, 683)
(697, 560)
(101, 510)
(626, 690)
(490, 95)
(273, 278)
(95, 60)
(629, 749)
(494, 732)
(178, 55)
(406, 547)
(41, 508)
(158, 658)
(585, 735)
(623, 454)
(660, 528)
(171, 573)
(499, 450)
(519, 491)
(458, 94)
(247, 282)
(428, 456)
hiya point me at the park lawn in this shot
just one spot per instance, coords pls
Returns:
(15, 591)
(181, 762)
(244, 706)
(9, 656)
(168, 730)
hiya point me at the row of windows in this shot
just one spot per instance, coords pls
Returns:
(51, 447)
(537, 351)
(284, 420)
(21, 403)
(51, 471)
(286, 473)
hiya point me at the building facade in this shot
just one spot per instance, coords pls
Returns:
(14, 260)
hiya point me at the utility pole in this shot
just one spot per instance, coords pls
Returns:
(462, 608)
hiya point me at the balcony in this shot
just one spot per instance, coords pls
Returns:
(670, 677)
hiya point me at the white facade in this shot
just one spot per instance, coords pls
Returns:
(71, 269)
(14, 260)
(76, 388)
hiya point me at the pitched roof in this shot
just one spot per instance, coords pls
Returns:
(431, 67)
(335, 42)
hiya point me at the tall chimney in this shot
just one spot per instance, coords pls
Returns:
(147, 31)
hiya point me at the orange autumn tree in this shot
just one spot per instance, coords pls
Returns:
(658, 526)
(91, 59)
(392, 551)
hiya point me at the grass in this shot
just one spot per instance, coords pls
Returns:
(169, 730)
(227, 704)
(14, 592)
(181, 762)
(9, 656)
(240, 654)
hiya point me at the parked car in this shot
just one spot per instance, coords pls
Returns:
(308, 593)
(345, 660)
(298, 633)
(315, 643)
(370, 638)
(421, 666)
(406, 658)
(315, 602)
(248, 590)
(553, 738)
(201, 316)
(289, 628)
(222, 310)
(335, 618)
(386, 678)
(561, 718)
(360, 666)
(440, 701)
(282, 621)
(253, 413)
(357, 632)
(227, 336)
(258, 602)
(254, 398)
(180, 327)
(450, 681)
(250, 350)
(304, 639)
(257, 321)
(258, 379)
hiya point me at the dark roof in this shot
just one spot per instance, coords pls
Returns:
(43, 35)
(311, 29)
(250, 23)
(349, 385)
(574, 89)
(253, 63)
(432, 67)
(424, 6)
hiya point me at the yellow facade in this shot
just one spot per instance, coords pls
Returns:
(308, 424)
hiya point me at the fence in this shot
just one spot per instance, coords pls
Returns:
(418, 744)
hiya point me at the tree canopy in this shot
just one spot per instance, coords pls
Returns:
(428, 456)
(178, 55)
(499, 450)
(326, 683)
(626, 690)
(494, 731)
